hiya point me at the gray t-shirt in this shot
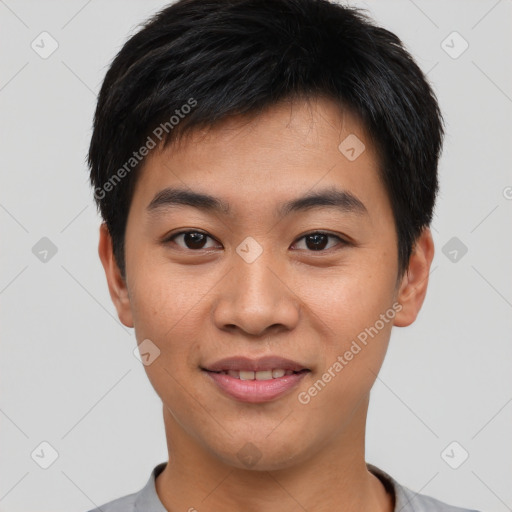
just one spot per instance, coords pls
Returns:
(147, 500)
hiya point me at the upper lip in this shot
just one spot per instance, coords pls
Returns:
(255, 365)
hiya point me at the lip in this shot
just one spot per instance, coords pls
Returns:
(255, 365)
(255, 391)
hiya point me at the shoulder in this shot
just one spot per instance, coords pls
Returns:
(123, 504)
(145, 500)
(421, 503)
(410, 501)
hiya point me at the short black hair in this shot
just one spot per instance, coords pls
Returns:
(197, 62)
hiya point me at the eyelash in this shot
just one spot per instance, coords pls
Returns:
(341, 241)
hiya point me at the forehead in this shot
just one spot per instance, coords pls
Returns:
(288, 150)
(310, 124)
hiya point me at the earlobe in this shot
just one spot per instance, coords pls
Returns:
(413, 287)
(116, 284)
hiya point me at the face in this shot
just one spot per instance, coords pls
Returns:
(271, 301)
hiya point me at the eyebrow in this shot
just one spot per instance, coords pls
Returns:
(332, 197)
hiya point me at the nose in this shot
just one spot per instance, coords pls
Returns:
(255, 298)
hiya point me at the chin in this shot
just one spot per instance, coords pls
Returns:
(262, 454)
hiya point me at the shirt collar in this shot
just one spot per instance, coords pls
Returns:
(147, 499)
(402, 495)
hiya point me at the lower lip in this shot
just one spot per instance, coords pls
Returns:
(256, 391)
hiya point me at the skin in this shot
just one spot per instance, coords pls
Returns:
(201, 305)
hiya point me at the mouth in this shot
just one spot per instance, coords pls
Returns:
(274, 373)
(255, 380)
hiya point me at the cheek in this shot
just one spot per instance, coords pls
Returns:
(168, 309)
(168, 312)
(162, 298)
(357, 313)
(350, 365)
(350, 301)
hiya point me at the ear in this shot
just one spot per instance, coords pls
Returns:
(116, 283)
(413, 287)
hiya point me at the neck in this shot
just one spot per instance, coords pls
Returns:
(334, 478)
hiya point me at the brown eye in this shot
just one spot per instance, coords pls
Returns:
(318, 240)
(193, 240)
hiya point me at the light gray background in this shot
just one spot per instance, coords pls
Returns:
(67, 369)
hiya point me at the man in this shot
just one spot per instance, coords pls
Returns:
(267, 173)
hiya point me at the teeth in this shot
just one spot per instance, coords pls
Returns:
(261, 375)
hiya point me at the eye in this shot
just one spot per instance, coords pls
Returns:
(194, 240)
(197, 240)
(318, 240)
